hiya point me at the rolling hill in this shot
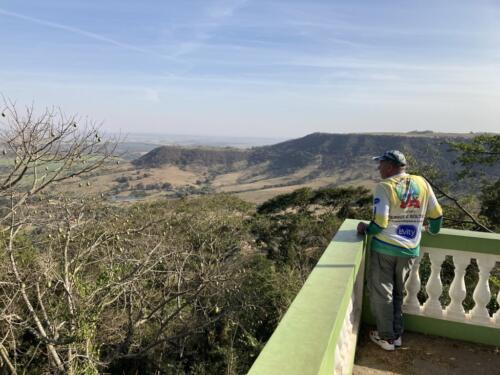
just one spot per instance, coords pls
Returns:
(322, 153)
(259, 173)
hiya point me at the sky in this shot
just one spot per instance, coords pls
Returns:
(259, 68)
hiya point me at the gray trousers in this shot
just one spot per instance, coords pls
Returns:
(386, 278)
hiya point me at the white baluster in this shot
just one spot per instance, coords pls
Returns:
(343, 348)
(482, 293)
(347, 330)
(338, 359)
(497, 314)
(455, 309)
(346, 335)
(413, 285)
(349, 316)
(434, 287)
(338, 353)
(344, 342)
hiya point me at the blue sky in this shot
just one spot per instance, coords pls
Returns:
(257, 68)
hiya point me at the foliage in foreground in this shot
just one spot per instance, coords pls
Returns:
(187, 286)
(192, 286)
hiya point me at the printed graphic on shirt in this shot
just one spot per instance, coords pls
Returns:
(407, 231)
(408, 193)
(375, 202)
(401, 204)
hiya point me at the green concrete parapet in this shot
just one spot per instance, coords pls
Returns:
(464, 240)
(485, 248)
(306, 338)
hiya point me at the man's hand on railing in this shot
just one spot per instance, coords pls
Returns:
(428, 231)
(361, 228)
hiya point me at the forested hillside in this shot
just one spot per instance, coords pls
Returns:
(326, 153)
(344, 150)
(208, 157)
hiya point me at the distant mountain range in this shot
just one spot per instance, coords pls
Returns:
(137, 144)
(318, 153)
(200, 140)
(183, 157)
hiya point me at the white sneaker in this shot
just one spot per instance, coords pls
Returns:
(384, 344)
(398, 342)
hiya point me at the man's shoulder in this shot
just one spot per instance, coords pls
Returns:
(419, 180)
(416, 176)
(393, 182)
(384, 184)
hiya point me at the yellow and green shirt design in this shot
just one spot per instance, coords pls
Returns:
(400, 205)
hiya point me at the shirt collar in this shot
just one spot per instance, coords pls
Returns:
(402, 174)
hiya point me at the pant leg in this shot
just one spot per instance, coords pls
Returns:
(381, 284)
(402, 271)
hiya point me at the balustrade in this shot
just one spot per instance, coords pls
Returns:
(497, 315)
(343, 343)
(434, 288)
(482, 295)
(411, 302)
(432, 307)
(455, 309)
(318, 333)
(346, 343)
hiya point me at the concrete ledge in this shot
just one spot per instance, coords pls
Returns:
(443, 328)
(464, 240)
(453, 330)
(305, 340)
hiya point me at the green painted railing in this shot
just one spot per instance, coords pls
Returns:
(317, 335)
(453, 321)
(306, 339)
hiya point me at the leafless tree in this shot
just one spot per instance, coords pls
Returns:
(38, 150)
(85, 283)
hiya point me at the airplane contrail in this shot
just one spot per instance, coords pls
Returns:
(81, 32)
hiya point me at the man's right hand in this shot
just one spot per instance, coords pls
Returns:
(361, 228)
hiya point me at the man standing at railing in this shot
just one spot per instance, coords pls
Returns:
(400, 204)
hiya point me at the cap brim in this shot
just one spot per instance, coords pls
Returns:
(382, 158)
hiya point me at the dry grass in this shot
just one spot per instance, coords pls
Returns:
(256, 188)
(173, 175)
(228, 179)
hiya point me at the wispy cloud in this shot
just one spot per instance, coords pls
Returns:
(225, 8)
(216, 13)
(81, 32)
(373, 31)
(376, 64)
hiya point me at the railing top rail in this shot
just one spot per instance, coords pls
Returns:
(464, 240)
(302, 342)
